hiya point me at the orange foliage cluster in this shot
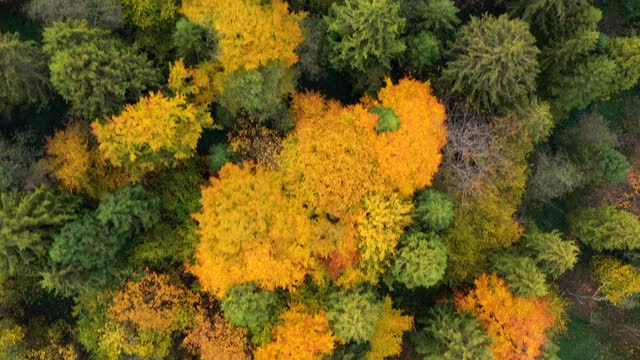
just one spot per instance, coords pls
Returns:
(153, 304)
(301, 336)
(517, 325)
(271, 226)
(217, 339)
(250, 231)
(77, 164)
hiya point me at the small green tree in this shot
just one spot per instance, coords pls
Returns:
(625, 51)
(364, 33)
(606, 228)
(421, 261)
(249, 306)
(553, 177)
(553, 255)
(423, 50)
(219, 154)
(97, 74)
(194, 43)
(128, 211)
(28, 221)
(23, 73)
(522, 274)
(494, 61)
(451, 336)
(387, 119)
(353, 314)
(433, 209)
(437, 16)
(601, 164)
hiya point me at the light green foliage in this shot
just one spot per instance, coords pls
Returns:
(606, 228)
(149, 13)
(553, 177)
(423, 50)
(95, 73)
(128, 211)
(249, 306)
(387, 121)
(421, 261)
(87, 253)
(522, 274)
(364, 33)
(451, 336)
(494, 61)
(219, 154)
(193, 42)
(101, 13)
(261, 93)
(601, 164)
(17, 158)
(595, 78)
(23, 73)
(553, 255)
(625, 51)
(28, 221)
(433, 209)
(353, 314)
(438, 16)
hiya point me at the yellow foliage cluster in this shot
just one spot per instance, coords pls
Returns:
(619, 280)
(217, 339)
(516, 324)
(391, 325)
(301, 336)
(251, 231)
(155, 132)
(380, 225)
(199, 83)
(250, 34)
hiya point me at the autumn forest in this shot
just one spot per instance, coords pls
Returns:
(320, 179)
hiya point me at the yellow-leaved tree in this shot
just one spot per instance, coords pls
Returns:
(251, 33)
(391, 325)
(301, 336)
(155, 133)
(251, 231)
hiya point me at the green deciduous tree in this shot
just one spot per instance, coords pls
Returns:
(28, 221)
(451, 336)
(494, 61)
(23, 73)
(625, 51)
(606, 228)
(95, 73)
(522, 274)
(421, 261)
(423, 50)
(554, 176)
(553, 255)
(433, 209)
(353, 314)
(364, 34)
(256, 309)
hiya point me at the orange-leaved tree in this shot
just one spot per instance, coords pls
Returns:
(157, 132)
(301, 336)
(250, 34)
(75, 162)
(216, 339)
(517, 325)
(251, 231)
(409, 156)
